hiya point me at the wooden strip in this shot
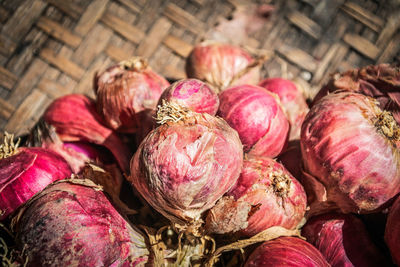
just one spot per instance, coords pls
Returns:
(52, 88)
(386, 34)
(118, 54)
(3, 14)
(306, 24)
(153, 39)
(21, 21)
(7, 79)
(5, 109)
(92, 14)
(184, 19)
(199, 2)
(128, 31)
(364, 16)
(28, 81)
(93, 44)
(19, 122)
(58, 32)
(177, 45)
(323, 65)
(298, 57)
(62, 63)
(68, 7)
(130, 5)
(174, 73)
(362, 45)
(7, 46)
(392, 48)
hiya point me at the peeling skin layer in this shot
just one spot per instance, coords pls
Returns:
(75, 119)
(257, 116)
(343, 149)
(381, 82)
(339, 236)
(183, 168)
(75, 225)
(392, 231)
(27, 173)
(193, 94)
(286, 251)
(217, 64)
(277, 198)
(124, 94)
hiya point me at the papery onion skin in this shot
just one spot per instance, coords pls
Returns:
(126, 90)
(346, 150)
(218, 64)
(76, 120)
(182, 168)
(286, 251)
(26, 173)
(343, 240)
(71, 224)
(293, 102)
(257, 116)
(381, 82)
(392, 231)
(193, 94)
(277, 198)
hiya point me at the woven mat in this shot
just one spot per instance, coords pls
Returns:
(49, 48)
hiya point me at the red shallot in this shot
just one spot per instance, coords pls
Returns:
(350, 146)
(343, 240)
(26, 171)
(222, 65)
(186, 164)
(193, 94)
(75, 119)
(292, 100)
(72, 223)
(125, 91)
(286, 251)
(267, 194)
(257, 116)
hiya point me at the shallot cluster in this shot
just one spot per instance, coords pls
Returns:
(224, 168)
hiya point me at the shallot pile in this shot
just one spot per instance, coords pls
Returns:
(224, 168)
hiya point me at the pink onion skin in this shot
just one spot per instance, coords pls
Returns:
(26, 173)
(70, 224)
(381, 82)
(286, 251)
(258, 117)
(343, 240)
(392, 231)
(218, 64)
(277, 203)
(181, 169)
(123, 94)
(193, 94)
(76, 120)
(293, 102)
(342, 149)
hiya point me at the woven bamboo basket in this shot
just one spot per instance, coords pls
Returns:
(49, 48)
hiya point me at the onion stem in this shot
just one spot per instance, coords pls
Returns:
(9, 148)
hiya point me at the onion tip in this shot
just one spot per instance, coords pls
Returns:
(9, 148)
(170, 112)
